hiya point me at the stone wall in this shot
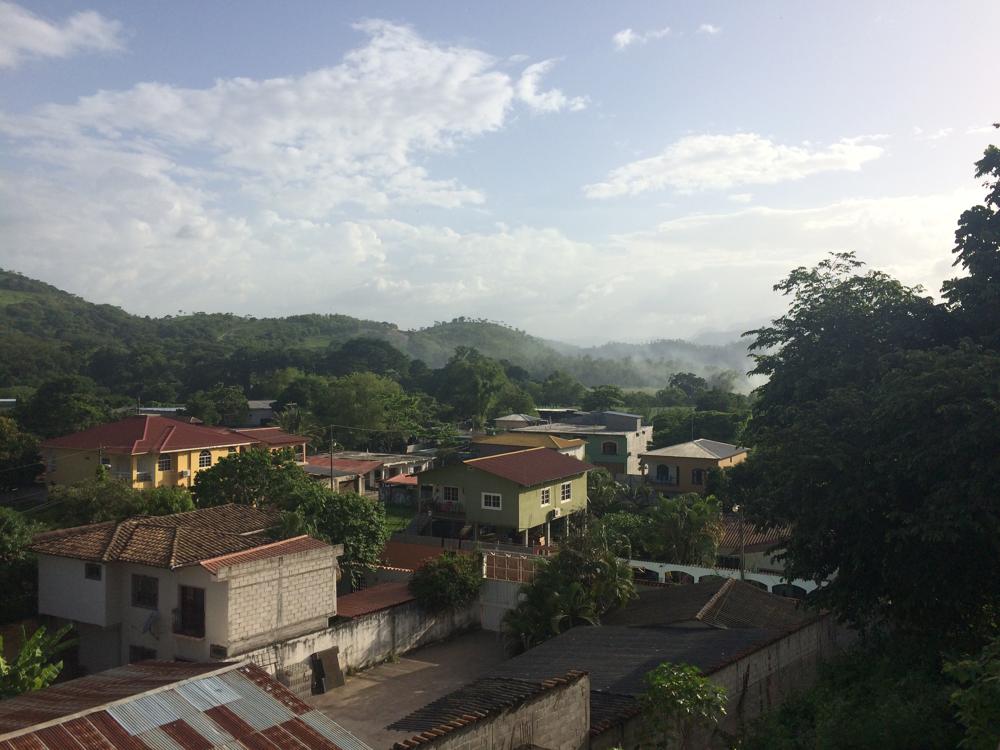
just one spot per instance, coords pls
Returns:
(556, 719)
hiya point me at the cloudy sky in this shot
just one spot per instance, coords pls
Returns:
(585, 171)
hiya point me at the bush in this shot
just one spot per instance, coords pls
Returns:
(447, 582)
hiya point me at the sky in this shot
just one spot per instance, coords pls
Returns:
(583, 171)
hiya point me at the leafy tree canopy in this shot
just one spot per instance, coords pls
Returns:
(254, 477)
(449, 581)
(107, 499)
(20, 462)
(62, 406)
(604, 398)
(34, 667)
(679, 703)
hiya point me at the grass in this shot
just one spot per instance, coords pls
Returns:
(398, 517)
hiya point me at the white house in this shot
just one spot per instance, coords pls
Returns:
(201, 585)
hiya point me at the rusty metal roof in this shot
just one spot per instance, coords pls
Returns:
(169, 705)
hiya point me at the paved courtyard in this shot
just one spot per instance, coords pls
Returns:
(373, 699)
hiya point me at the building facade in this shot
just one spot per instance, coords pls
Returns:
(684, 467)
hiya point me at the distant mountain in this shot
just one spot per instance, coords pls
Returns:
(46, 329)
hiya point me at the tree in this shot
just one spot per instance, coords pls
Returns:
(685, 529)
(511, 400)
(604, 398)
(18, 579)
(678, 703)
(104, 498)
(367, 354)
(603, 492)
(345, 518)
(561, 389)
(627, 533)
(688, 382)
(371, 411)
(255, 477)
(977, 699)
(975, 299)
(19, 459)
(223, 404)
(582, 581)
(865, 441)
(471, 384)
(62, 406)
(33, 668)
(449, 581)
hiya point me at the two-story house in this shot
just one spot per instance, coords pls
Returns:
(684, 467)
(148, 451)
(615, 440)
(196, 586)
(510, 496)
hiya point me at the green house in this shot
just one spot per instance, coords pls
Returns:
(526, 491)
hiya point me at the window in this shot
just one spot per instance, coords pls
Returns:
(492, 501)
(145, 591)
(92, 571)
(165, 462)
(190, 614)
(140, 653)
(566, 492)
(666, 474)
(451, 494)
(106, 462)
(232, 449)
(609, 448)
(697, 476)
(204, 459)
(546, 496)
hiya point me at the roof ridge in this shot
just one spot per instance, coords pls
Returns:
(722, 593)
(257, 547)
(498, 455)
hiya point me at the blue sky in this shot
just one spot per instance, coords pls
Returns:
(585, 171)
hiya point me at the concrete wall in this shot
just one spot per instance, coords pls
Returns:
(366, 640)
(64, 591)
(279, 597)
(557, 719)
(496, 598)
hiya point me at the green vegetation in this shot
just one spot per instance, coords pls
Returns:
(680, 707)
(582, 581)
(254, 477)
(449, 581)
(106, 499)
(18, 580)
(34, 667)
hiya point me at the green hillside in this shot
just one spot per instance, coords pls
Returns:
(45, 332)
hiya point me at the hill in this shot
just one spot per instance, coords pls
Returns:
(46, 331)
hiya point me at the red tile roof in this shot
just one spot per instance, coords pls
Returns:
(403, 479)
(530, 467)
(291, 546)
(373, 599)
(754, 539)
(148, 433)
(171, 541)
(195, 706)
(271, 435)
(350, 465)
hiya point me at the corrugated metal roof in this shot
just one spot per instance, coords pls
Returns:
(236, 707)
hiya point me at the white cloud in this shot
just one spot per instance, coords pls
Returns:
(707, 162)
(303, 145)
(25, 36)
(627, 37)
(707, 28)
(552, 100)
(741, 197)
(935, 135)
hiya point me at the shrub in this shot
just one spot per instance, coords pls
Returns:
(447, 582)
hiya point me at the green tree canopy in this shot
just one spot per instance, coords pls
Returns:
(62, 406)
(449, 581)
(223, 404)
(254, 477)
(20, 462)
(604, 398)
(471, 384)
(104, 498)
(684, 529)
(678, 704)
(18, 578)
(562, 389)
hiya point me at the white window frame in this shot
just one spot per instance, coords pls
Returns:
(444, 494)
(168, 459)
(497, 495)
(546, 496)
(565, 492)
(201, 459)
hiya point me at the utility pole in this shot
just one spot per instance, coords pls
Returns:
(743, 562)
(331, 459)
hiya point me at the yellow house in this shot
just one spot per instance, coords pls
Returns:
(684, 467)
(148, 451)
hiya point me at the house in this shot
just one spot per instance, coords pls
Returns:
(684, 467)
(520, 493)
(760, 647)
(751, 548)
(513, 421)
(490, 445)
(615, 439)
(375, 467)
(148, 451)
(260, 412)
(364, 470)
(400, 490)
(337, 480)
(160, 704)
(201, 585)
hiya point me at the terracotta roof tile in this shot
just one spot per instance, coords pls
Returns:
(350, 465)
(754, 539)
(373, 599)
(171, 541)
(530, 467)
(291, 546)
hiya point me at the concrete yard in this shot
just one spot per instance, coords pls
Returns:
(373, 699)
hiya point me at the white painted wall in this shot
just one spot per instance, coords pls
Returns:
(63, 591)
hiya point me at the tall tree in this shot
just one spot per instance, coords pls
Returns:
(19, 459)
(470, 384)
(62, 406)
(18, 578)
(604, 398)
(223, 404)
(254, 477)
(685, 529)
